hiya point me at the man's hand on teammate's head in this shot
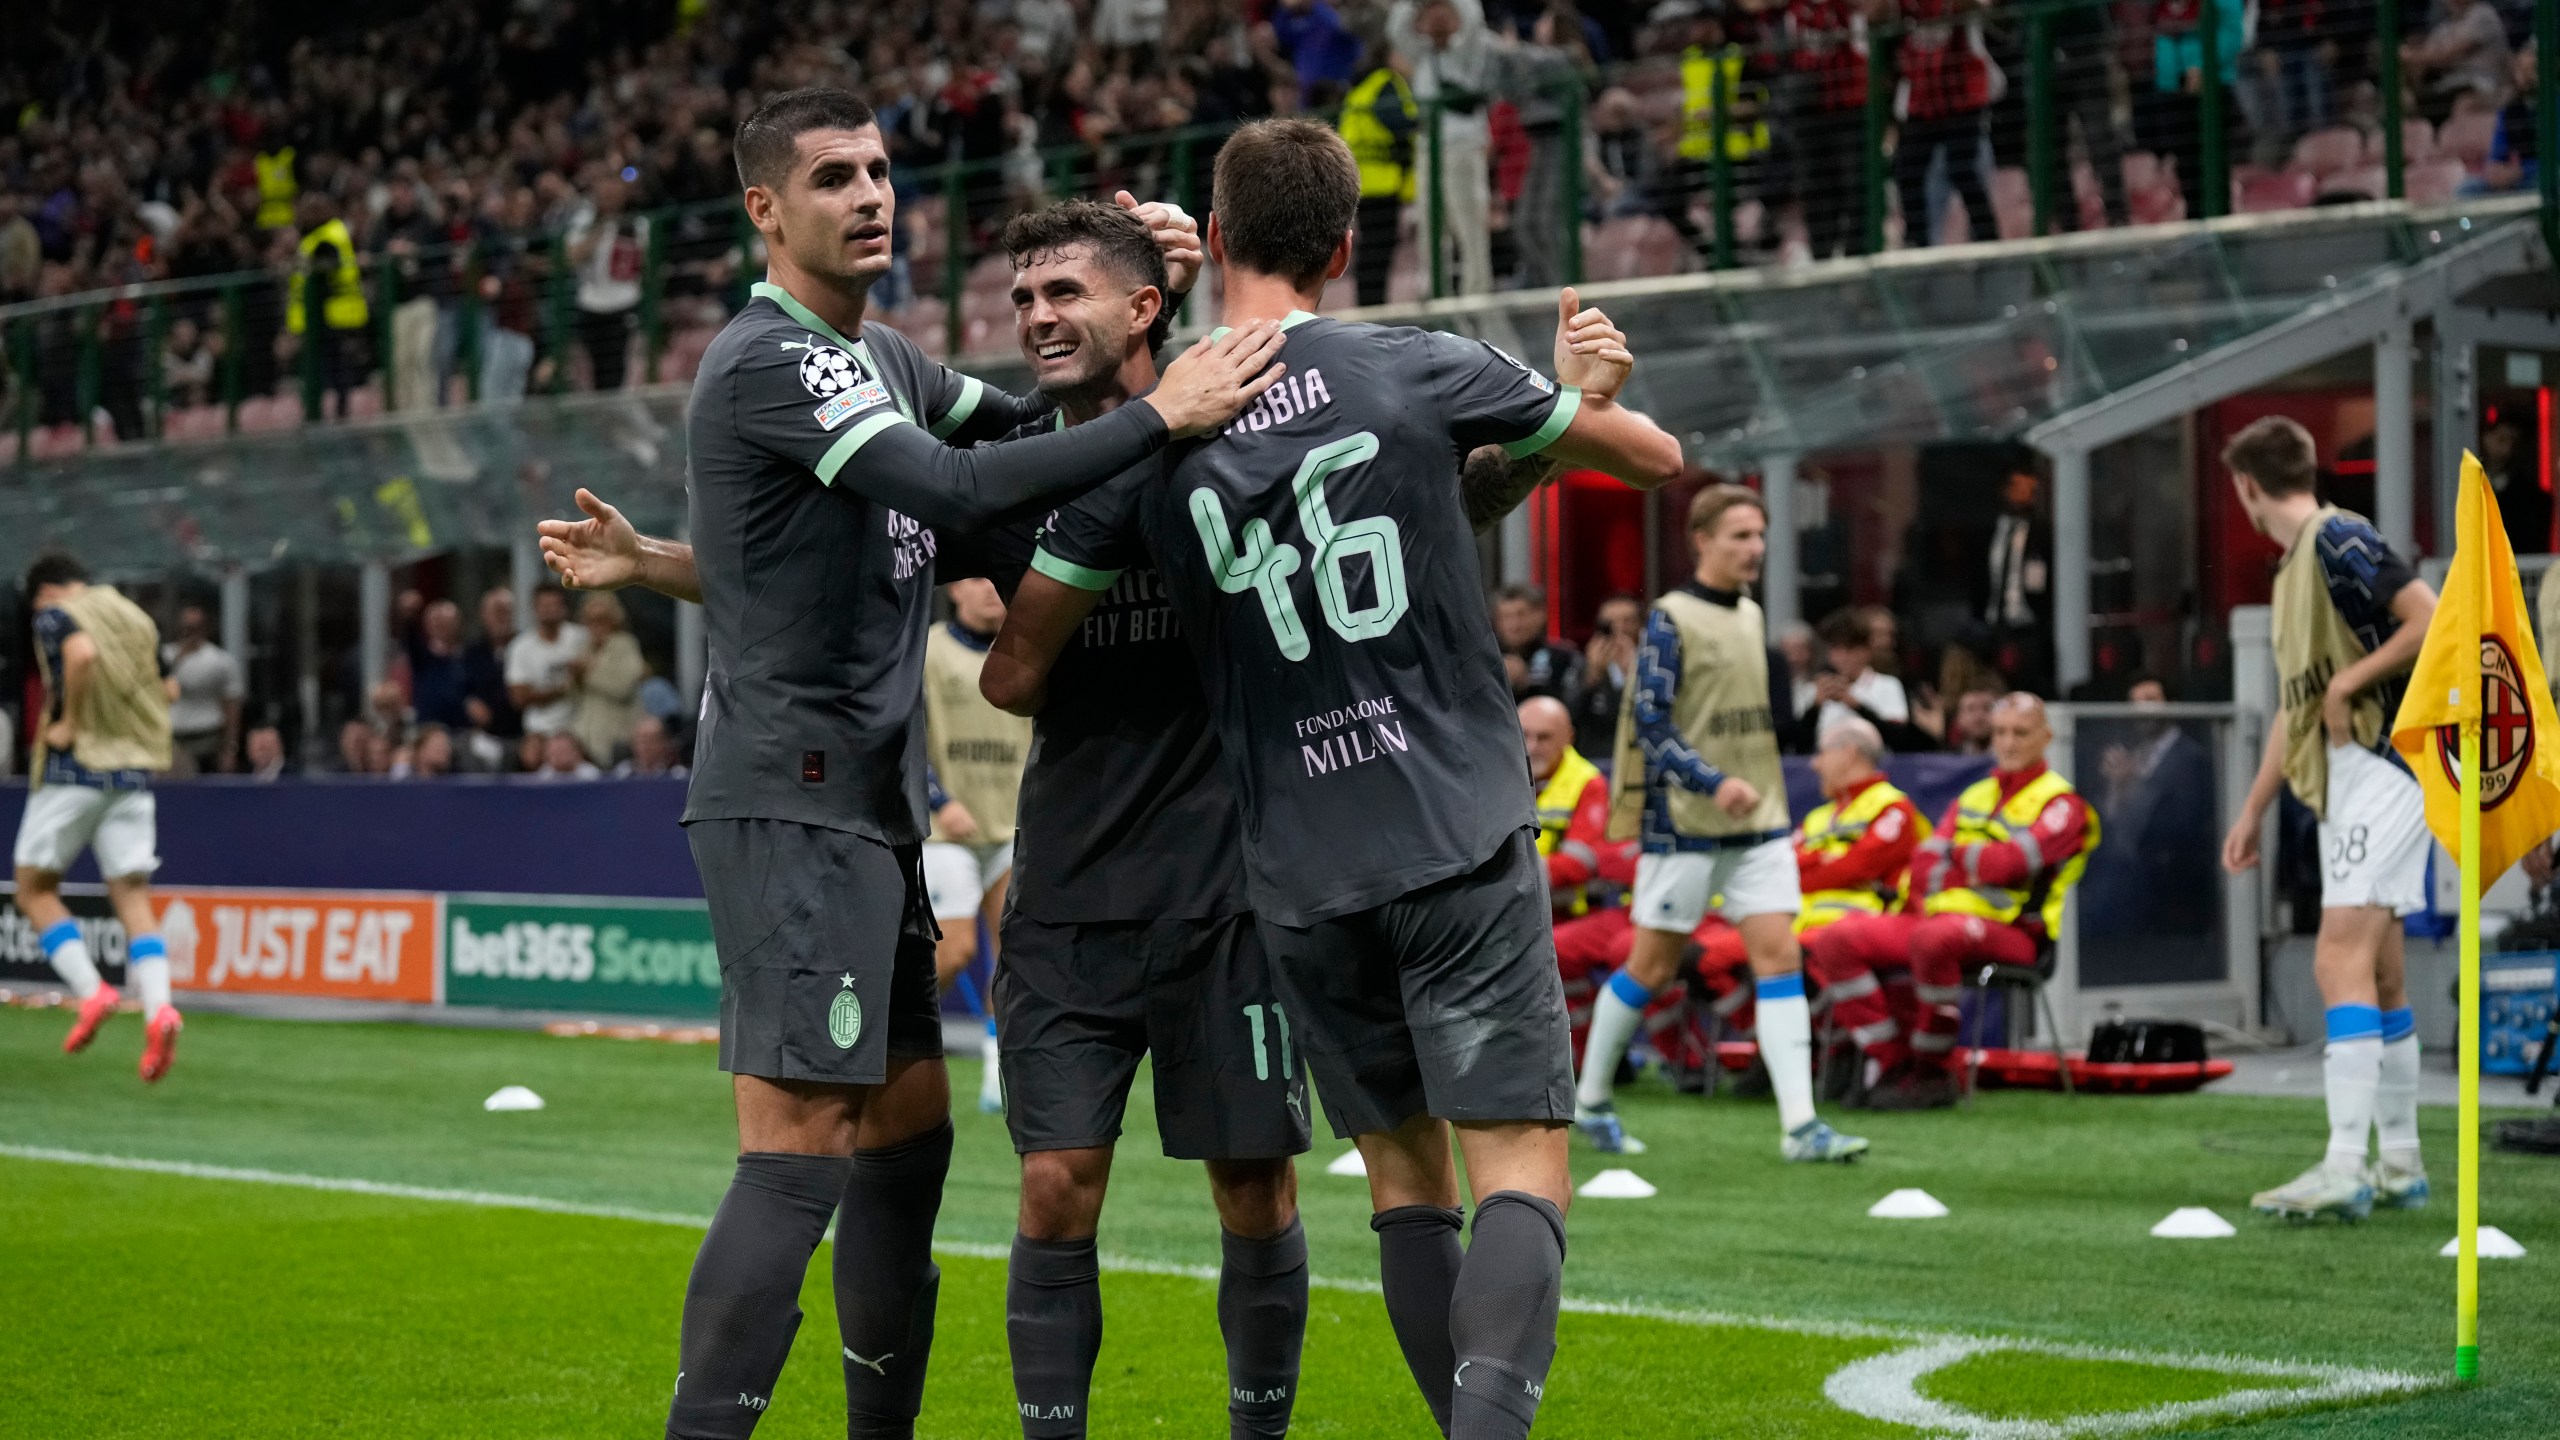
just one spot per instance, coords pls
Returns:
(601, 552)
(1176, 234)
(1217, 378)
(1737, 797)
(1591, 353)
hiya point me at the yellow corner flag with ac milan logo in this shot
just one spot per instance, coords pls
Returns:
(2477, 727)
(2479, 665)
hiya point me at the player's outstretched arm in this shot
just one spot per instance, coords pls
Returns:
(1037, 625)
(604, 552)
(905, 468)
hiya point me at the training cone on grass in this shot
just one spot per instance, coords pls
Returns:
(1348, 1164)
(1617, 1185)
(1907, 1205)
(2495, 1244)
(2193, 1222)
(513, 1097)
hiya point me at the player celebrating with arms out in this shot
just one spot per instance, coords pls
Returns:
(1697, 777)
(1322, 565)
(817, 471)
(105, 729)
(2349, 617)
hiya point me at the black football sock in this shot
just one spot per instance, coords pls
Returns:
(1053, 1323)
(1502, 1321)
(886, 1281)
(1262, 1310)
(742, 1305)
(1418, 1259)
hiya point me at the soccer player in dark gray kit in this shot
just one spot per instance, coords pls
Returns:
(1319, 558)
(818, 470)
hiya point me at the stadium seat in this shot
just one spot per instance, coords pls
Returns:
(2364, 182)
(2150, 192)
(683, 354)
(2417, 143)
(2013, 202)
(2433, 182)
(2466, 136)
(2325, 152)
(2275, 190)
(2013, 982)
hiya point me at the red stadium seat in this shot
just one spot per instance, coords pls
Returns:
(2466, 136)
(2434, 182)
(2325, 152)
(2365, 182)
(2417, 143)
(2277, 190)
(2013, 201)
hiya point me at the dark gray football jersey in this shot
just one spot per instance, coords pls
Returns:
(1320, 559)
(818, 470)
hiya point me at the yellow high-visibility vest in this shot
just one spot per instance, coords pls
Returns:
(1744, 137)
(344, 308)
(277, 189)
(1828, 833)
(1386, 162)
(1980, 816)
(1557, 800)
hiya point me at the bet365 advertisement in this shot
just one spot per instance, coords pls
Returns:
(629, 957)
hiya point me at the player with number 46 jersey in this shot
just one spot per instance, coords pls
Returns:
(1319, 555)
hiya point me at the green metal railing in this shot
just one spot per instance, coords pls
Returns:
(67, 359)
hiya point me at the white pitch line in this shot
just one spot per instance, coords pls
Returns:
(1882, 1387)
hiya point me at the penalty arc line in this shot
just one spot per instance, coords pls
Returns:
(1882, 1387)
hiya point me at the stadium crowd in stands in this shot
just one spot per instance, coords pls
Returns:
(508, 149)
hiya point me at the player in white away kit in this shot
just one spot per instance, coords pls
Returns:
(2349, 618)
(105, 729)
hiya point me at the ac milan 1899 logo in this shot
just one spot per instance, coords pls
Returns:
(2506, 728)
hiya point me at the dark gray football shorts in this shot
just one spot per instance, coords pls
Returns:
(826, 950)
(1076, 1005)
(1444, 1001)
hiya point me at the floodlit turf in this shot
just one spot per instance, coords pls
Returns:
(149, 1303)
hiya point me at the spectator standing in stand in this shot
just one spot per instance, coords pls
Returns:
(1548, 666)
(1325, 53)
(2175, 103)
(1451, 51)
(1948, 84)
(205, 690)
(1379, 122)
(539, 676)
(607, 249)
(1608, 663)
(487, 703)
(607, 679)
(439, 667)
(1821, 105)
(2462, 61)
(2083, 40)
(404, 235)
(510, 314)
(327, 276)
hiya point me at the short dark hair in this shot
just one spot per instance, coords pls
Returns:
(1847, 630)
(1287, 192)
(1113, 238)
(1706, 512)
(770, 140)
(2277, 453)
(1525, 593)
(54, 567)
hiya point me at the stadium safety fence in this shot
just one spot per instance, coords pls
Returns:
(1906, 122)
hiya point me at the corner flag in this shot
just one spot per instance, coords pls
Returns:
(2478, 728)
(2479, 667)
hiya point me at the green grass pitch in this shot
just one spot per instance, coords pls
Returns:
(1750, 1298)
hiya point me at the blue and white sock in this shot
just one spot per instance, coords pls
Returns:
(69, 955)
(146, 966)
(2352, 1071)
(1784, 1025)
(2395, 1112)
(1614, 1018)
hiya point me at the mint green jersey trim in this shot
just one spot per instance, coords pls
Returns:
(1289, 321)
(971, 392)
(798, 311)
(1068, 572)
(854, 439)
(1568, 401)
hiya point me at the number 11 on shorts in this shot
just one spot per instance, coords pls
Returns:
(1262, 1046)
